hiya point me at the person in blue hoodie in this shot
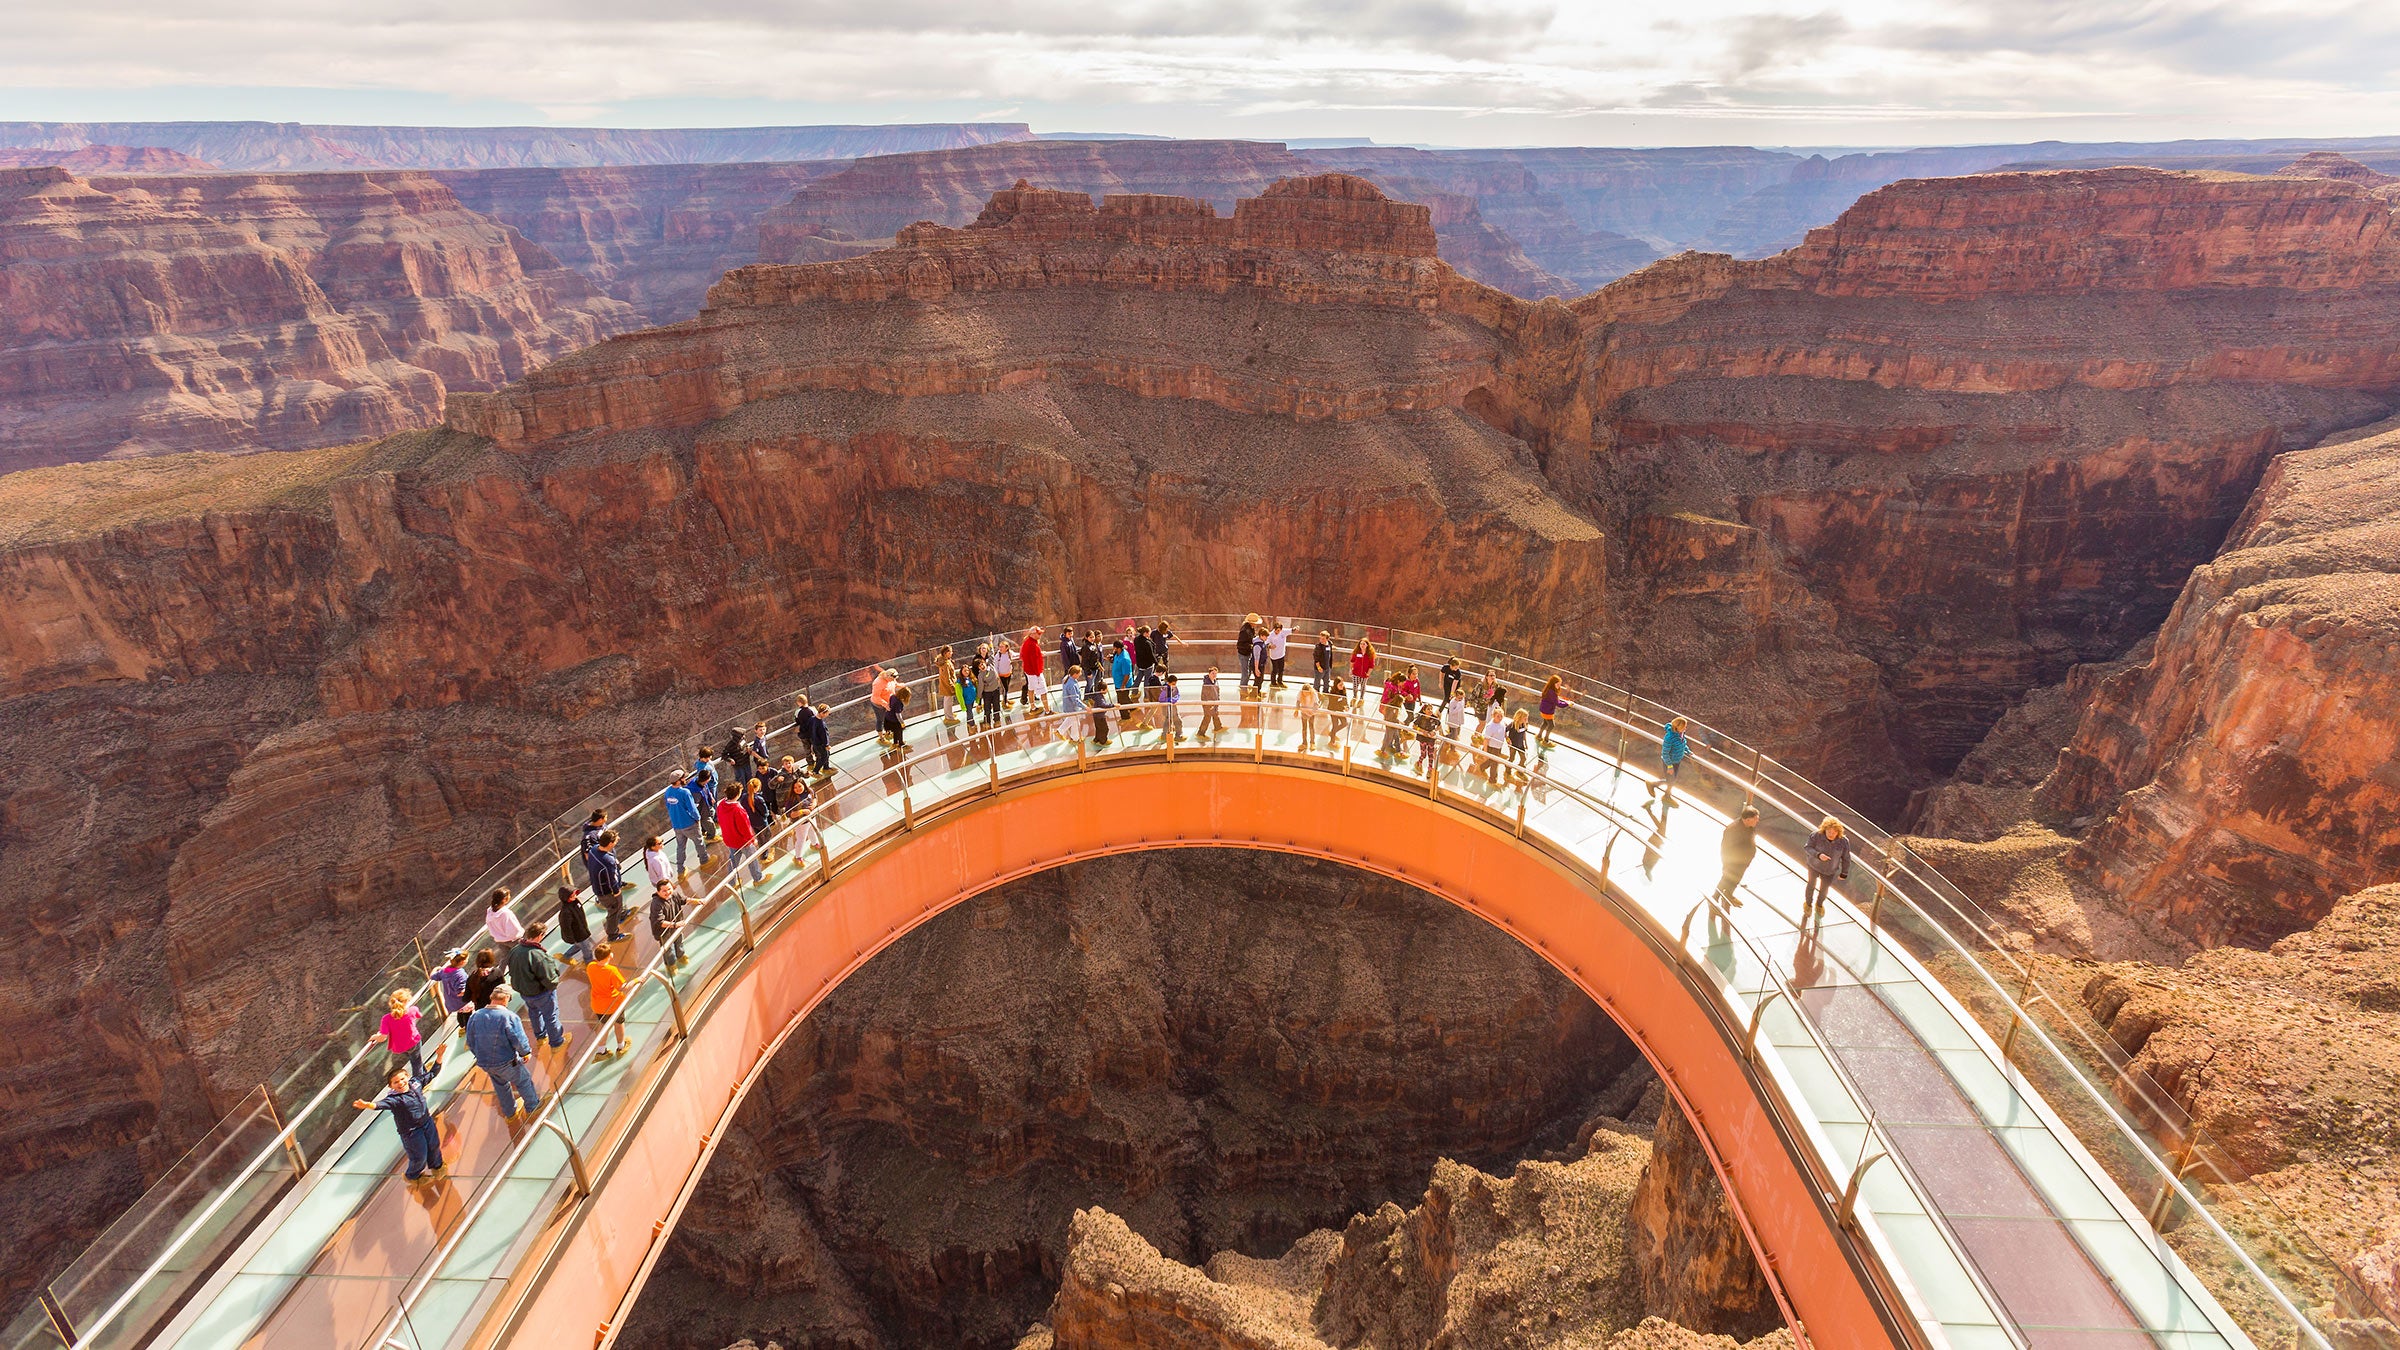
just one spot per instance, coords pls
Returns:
(1673, 749)
(683, 816)
(404, 1096)
(704, 796)
(1120, 674)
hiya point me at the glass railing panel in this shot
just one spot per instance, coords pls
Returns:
(205, 1197)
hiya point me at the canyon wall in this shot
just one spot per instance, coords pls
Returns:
(868, 203)
(654, 236)
(1974, 433)
(284, 147)
(2243, 777)
(231, 312)
(319, 690)
(1226, 1049)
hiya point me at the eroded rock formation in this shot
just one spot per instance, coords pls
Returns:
(1226, 1049)
(1538, 1258)
(233, 312)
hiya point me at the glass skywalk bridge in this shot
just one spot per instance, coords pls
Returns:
(1961, 1205)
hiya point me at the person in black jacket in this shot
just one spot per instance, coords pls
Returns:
(486, 977)
(1828, 857)
(1739, 846)
(739, 762)
(574, 927)
(589, 849)
(1244, 644)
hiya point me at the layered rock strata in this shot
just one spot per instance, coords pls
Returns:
(233, 312)
(1225, 1049)
(98, 159)
(1970, 435)
(867, 204)
(654, 236)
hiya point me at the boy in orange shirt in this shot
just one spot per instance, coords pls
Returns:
(610, 989)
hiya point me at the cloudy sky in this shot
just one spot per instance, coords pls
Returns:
(1446, 72)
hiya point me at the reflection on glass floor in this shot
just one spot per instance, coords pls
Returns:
(1999, 1228)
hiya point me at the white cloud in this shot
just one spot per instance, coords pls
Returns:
(1457, 71)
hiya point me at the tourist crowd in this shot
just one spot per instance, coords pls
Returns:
(740, 796)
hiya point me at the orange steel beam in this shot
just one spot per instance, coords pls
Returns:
(1831, 1290)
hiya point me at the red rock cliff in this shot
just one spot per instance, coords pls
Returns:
(2244, 775)
(1990, 423)
(234, 312)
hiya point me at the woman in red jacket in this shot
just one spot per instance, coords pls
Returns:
(733, 825)
(1029, 660)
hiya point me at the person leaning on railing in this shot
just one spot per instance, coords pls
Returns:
(404, 1096)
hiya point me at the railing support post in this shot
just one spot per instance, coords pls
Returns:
(1758, 1014)
(1083, 747)
(908, 811)
(583, 1174)
(993, 764)
(749, 935)
(683, 1028)
(2016, 1017)
(424, 960)
(291, 1143)
(1847, 1215)
(1521, 799)
(57, 1316)
(1346, 761)
(1610, 848)
(1875, 910)
(1258, 745)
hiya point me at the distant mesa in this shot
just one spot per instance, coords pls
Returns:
(2331, 164)
(91, 159)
